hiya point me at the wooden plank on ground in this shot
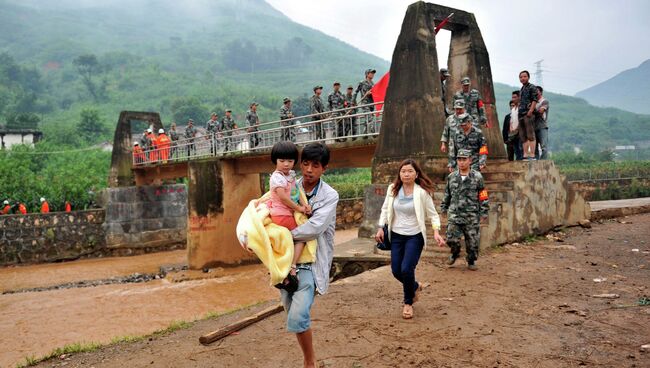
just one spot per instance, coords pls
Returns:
(227, 330)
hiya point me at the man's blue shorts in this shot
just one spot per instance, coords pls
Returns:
(298, 304)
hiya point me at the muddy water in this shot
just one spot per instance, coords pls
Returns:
(37, 322)
(42, 275)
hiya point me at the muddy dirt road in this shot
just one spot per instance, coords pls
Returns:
(527, 306)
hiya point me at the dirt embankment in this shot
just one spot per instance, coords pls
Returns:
(527, 306)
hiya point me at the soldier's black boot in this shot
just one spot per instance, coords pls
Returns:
(471, 266)
(451, 260)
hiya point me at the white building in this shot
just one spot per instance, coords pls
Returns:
(10, 137)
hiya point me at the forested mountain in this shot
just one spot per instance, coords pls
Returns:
(183, 59)
(627, 90)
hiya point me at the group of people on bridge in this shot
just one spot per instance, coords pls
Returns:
(340, 117)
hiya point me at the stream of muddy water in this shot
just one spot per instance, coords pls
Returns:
(35, 323)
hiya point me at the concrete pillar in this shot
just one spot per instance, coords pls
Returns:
(413, 113)
(121, 174)
(468, 57)
(216, 198)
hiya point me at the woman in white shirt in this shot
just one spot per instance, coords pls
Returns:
(407, 205)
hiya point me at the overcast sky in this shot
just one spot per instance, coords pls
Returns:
(582, 42)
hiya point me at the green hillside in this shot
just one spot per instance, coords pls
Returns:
(181, 59)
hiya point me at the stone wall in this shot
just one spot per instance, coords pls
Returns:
(349, 213)
(145, 218)
(57, 236)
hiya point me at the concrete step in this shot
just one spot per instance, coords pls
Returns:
(503, 175)
(493, 184)
(499, 185)
(505, 165)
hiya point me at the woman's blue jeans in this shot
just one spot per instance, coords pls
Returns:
(405, 251)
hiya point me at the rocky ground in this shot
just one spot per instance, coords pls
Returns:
(529, 305)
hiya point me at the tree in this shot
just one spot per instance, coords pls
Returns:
(184, 108)
(88, 66)
(90, 127)
(24, 120)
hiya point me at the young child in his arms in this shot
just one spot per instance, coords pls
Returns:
(285, 194)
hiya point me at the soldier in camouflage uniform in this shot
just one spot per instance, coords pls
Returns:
(365, 124)
(190, 133)
(466, 205)
(444, 75)
(211, 127)
(253, 126)
(173, 135)
(470, 138)
(452, 124)
(145, 143)
(144, 140)
(286, 117)
(317, 109)
(226, 129)
(473, 101)
(336, 103)
(350, 101)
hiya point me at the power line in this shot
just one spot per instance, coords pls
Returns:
(11, 152)
(539, 78)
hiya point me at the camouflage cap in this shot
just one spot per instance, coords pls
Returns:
(350, 87)
(213, 113)
(465, 81)
(286, 99)
(254, 104)
(228, 110)
(370, 71)
(459, 104)
(445, 72)
(337, 84)
(190, 120)
(464, 153)
(465, 118)
(317, 87)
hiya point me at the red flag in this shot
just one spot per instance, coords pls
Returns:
(379, 91)
(442, 24)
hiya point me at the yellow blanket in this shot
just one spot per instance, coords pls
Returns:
(272, 243)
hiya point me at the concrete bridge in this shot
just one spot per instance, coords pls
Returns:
(526, 197)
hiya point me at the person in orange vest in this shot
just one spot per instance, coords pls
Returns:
(138, 153)
(153, 146)
(163, 143)
(45, 207)
(22, 209)
(6, 208)
(68, 207)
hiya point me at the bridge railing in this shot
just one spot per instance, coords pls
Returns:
(336, 126)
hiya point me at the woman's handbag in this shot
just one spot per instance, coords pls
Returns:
(385, 245)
